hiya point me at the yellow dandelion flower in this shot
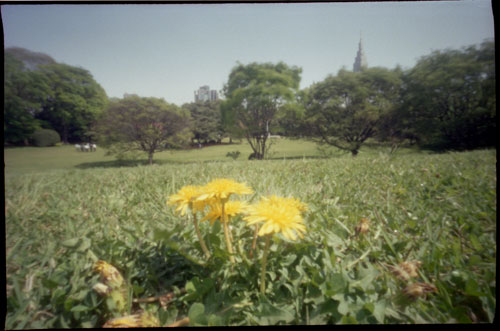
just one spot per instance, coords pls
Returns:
(185, 199)
(222, 188)
(231, 209)
(278, 215)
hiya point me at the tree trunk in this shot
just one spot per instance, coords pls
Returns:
(65, 134)
(354, 152)
(150, 157)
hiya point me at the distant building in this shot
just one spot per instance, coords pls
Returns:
(360, 61)
(204, 93)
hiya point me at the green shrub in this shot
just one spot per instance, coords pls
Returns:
(234, 154)
(45, 137)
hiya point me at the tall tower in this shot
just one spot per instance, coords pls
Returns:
(360, 61)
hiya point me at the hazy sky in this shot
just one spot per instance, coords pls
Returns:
(169, 51)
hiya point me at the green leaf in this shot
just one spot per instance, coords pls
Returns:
(79, 308)
(343, 307)
(71, 243)
(196, 314)
(81, 295)
(472, 288)
(270, 314)
(323, 311)
(85, 245)
(475, 260)
(68, 304)
(88, 325)
(348, 320)
(335, 284)
(379, 310)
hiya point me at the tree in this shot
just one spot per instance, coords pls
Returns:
(24, 92)
(145, 124)
(255, 96)
(42, 93)
(206, 121)
(450, 98)
(345, 110)
(74, 102)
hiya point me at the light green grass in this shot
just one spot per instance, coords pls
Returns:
(41, 159)
(439, 209)
(38, 159)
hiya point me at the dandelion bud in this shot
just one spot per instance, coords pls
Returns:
(406, 270)
(416, 290)
(101, 289)
(363, 226)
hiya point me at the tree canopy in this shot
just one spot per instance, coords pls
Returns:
(40, 93)
(206, 122)
(74, 102)
(345, 110)
(24, 94)
(255, 94)
(450, 98)
(145, 124)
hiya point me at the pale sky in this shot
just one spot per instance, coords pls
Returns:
(169, 51)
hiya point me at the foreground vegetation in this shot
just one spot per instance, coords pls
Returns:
(437, 209)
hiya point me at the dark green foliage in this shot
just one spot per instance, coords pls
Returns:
(45, 138)
(24, 93)
(74, 102)
(31, 60)
(234, 155)
(42, 93)
(206, 123)
(450, 99)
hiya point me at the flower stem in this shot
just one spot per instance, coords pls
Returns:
(200, 238)
(254, 242)
(264, 262)
(226, 234)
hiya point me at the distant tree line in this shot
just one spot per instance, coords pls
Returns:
(447, 101)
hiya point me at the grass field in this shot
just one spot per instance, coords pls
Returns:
(39, 159)
(65, 210)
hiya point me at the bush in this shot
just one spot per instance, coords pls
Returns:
(234, 154)
(45, 137)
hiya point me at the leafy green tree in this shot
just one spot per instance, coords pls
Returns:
(450, 98)
(24, 93)
(206, 121)
(345, 110)
(144, 124)
(42, 93)
(255, 96)
(74, 102)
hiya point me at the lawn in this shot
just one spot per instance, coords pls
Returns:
(22, 160)
(38, 159)
(436, 212)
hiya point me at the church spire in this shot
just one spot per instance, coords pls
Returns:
(360, 61)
